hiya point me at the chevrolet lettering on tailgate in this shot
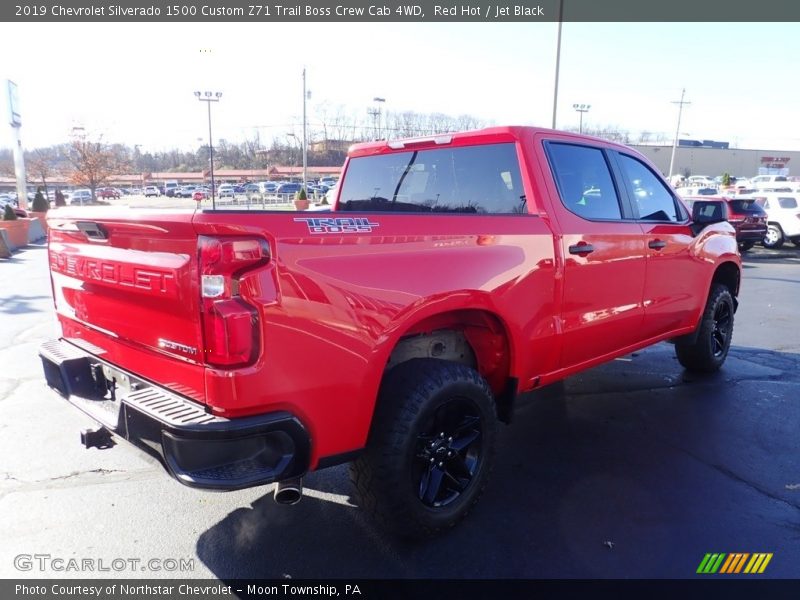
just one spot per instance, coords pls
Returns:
(146, 279)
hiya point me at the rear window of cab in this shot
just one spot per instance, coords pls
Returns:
(481, 179)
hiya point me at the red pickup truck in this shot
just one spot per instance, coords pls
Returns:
(454, 272)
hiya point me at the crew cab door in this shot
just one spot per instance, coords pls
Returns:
(676, 280)
(604, 253)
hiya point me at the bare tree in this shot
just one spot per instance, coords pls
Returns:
(42, 164)
(92, 162)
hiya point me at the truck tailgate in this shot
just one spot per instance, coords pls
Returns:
(125, 287)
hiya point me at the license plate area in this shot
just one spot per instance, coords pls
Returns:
(88, 383)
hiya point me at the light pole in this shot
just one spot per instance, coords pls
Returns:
(558, 60)
(306, 96)
(581, 108)
(378, 116)
(680, 104)
(208, 98)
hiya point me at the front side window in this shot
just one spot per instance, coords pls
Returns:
(584, 181)
(650, 196)
(468, 179)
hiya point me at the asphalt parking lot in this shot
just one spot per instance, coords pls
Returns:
(631, 470)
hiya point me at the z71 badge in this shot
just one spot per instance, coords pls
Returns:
(338, 225)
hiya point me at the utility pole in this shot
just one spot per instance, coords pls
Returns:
(376, 117)
(305, 141)
(558, 60)
(680, 104)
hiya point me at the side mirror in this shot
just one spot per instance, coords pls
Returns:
(706, 212)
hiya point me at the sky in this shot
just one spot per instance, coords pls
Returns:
(134, 83)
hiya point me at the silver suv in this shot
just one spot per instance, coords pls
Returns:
(80, 197)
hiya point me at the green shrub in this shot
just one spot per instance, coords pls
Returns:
(301, 195)
(40, 204)
(9, 214)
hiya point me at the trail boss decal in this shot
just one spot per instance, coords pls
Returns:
(338, 225)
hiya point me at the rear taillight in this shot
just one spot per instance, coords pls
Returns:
(230, 324)
(737, 218)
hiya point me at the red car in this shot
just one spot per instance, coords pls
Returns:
(454, 272)
(744, 213)
(108, 192)
(201, 194)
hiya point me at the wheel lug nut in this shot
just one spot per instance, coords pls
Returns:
(449, 439)
(441, 464)
(433, 460)
(441, 435)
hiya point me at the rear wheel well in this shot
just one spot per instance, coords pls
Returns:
(474, 338)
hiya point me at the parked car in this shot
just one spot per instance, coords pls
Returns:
(267, 187)
(329, 181)
(80, 197)
(170, 187)
(108, 193)
(747, 217)
(225, 191)
(783, 218)
(201, 193)
(694, 190)
(775, 183)
(288, 188)
(151, 190)
(185, 191)
(700, 181)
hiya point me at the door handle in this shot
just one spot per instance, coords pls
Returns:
(657, 245)
(582, 248)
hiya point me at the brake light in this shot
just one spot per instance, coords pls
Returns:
(230, 324)
(737, 218)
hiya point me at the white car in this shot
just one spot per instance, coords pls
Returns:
(226, 191)
(695, 190)
(151, 190)
(770, 182)
(783, 218)
(700, 181)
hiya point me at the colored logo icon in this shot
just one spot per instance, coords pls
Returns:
(737, 562)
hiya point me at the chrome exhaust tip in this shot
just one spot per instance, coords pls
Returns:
(289, 491)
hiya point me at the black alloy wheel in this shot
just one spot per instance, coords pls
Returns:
(448, 453)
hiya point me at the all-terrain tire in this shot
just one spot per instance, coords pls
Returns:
(430, 448)
(709, 351)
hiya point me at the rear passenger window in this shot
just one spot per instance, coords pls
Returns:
(584, 181)
(652, 199)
